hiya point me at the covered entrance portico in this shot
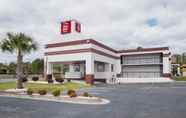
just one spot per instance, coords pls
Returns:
(69, 70)
(87, 68)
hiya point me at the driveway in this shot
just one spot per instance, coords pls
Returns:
(127, 101)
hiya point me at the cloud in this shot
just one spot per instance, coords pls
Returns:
(120, 24)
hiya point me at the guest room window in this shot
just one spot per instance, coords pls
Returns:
(100, 67)
(65, 68)
(76, 68)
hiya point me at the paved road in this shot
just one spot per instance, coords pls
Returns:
(127, 101)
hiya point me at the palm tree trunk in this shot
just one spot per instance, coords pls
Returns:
(19, 72)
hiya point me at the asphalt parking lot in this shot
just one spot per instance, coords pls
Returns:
(127, 101)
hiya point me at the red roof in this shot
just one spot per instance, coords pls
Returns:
(85, 41)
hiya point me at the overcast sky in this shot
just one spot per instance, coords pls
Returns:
(120, 24)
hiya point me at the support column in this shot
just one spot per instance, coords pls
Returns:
(89, 66)
(45, 67)
(166, 66)
(48, 76)
(117, 67)
(71, 68)
(108, 72)
(49, 68)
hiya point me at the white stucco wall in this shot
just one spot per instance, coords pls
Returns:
(74, 47)
(89, 64)
(107, 60)
(166, 65)
(104, 50)
(69, 57)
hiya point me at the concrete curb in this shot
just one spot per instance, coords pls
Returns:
(84, 100)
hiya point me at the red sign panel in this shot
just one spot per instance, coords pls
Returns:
(65, 27)
(78, 27)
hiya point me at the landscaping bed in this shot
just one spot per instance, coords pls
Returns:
(71, 96)
(65, 99)
(65, 92)
(48, 87)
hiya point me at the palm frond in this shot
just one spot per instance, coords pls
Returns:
(6, 46)
(18, 42)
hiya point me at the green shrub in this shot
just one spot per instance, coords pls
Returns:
(30, 91)
(49, 78)
(86, 94)
(35, 78)
(59, 79)
(71, 93)
(42, 92)
(24, 79)
(56, 92)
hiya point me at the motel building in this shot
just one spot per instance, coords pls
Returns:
(89, 60)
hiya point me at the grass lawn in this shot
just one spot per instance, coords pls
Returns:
(180, 78)
(48, 87)
(7, 85)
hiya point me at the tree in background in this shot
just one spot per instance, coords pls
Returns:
(179, 58)
(27, 68)
(56, 68)
(37, 66)
(20, 44)
(3, 68)
(183, 58)
(34, 67)
(12, 68)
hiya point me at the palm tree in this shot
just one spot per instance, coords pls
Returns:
(20, 44)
